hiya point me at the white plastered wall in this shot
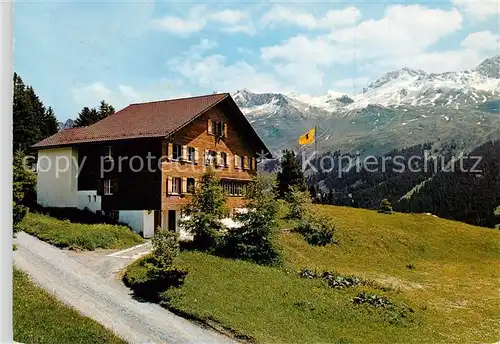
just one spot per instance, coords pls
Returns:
(141, 221)
(89, 199)
(57, 177)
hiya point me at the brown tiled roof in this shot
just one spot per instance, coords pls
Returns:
(154, 119)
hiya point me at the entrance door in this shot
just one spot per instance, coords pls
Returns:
(157, 219)
(172, 221)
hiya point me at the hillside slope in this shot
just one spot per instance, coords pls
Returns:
(445, 271)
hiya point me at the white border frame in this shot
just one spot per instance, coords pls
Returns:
(6, 20)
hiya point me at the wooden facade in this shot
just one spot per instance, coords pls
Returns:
(217, 139)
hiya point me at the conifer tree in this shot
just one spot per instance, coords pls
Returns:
(32, 122)
(206, 208)
(290, 174)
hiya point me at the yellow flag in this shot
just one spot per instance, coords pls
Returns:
(308, 137)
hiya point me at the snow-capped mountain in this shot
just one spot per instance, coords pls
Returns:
(66, 125)
(399, 108)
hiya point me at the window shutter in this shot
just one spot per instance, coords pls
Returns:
(169, 185)
(205, 157)
(196, 155)
(254, 163)
(218, 160)
(224, 129)
(236, 161)
(245, 163)
(209, 128)
(184, 188)
(170, 150)
(184, 153)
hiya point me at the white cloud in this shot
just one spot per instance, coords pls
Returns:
(482, 40)
(318, 50)
(281, 15)
(228, 16)
(479, 10)
(193, 22)
(404, 34)
(91, 94)
(199, 17)
(214, 72)
(404, 30)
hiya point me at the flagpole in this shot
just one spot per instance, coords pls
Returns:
(316, 139)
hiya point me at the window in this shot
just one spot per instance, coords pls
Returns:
(242, 162)
(218, 128)
(108, 187)
(249, 164)
(95, 198)
(176, 185)
(190, 185)
(223, 158)
(211, 157)
(176, 152)
(191, 153)
(90, 198)
(233, 188)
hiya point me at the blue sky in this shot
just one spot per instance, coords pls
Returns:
(76, 53)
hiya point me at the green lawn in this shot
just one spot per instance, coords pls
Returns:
(78, 235)
(452, 285)
(40, 318)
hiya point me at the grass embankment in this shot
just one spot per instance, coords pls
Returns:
(78, 235)
(40, 318)
(446, 271)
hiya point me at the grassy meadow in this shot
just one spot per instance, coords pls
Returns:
(40, 318)
(446, 272)
(66, 234)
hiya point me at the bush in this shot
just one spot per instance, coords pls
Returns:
(155, 273)
(256, 239)
(333, 279)
(206, 208)
(317, 231)
(299, 203)
(76, 215)
(77, 235)
(165, 246)
(19, 211)
(149, 282)
(372, 300)
(385, 207)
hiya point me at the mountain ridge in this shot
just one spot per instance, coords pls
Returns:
(399, 109)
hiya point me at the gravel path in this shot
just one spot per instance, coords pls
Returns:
(93, 292)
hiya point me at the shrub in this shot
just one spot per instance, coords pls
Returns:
(317, 231)
(333, 279)
(256, 239)
(373, 300)
(385, 207)
(19, 211)
(206, 208)
(165, 246)
(23, 190)
(78, 235)
(155, 273)
(148, 281)
(75, 215)
(299, 203)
